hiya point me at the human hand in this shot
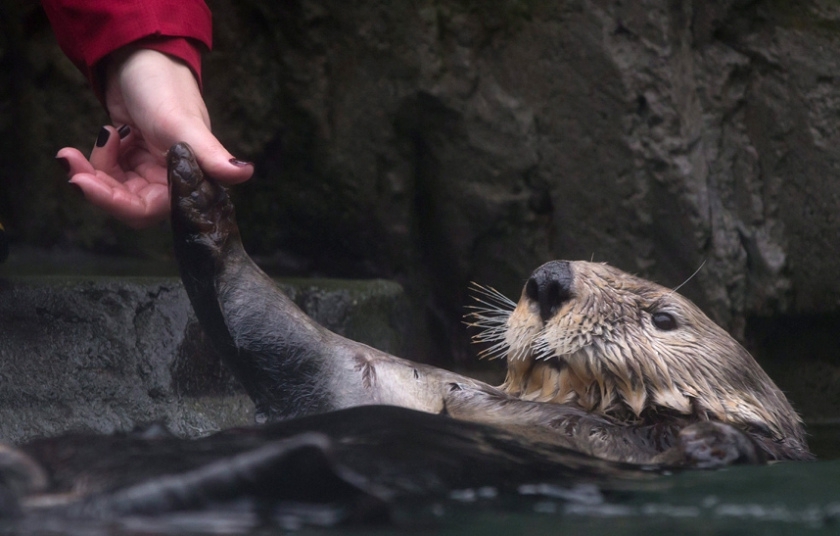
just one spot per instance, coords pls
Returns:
(157, 101)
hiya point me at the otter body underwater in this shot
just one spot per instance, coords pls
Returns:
(599, 361)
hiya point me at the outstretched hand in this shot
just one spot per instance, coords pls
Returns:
(157, 101)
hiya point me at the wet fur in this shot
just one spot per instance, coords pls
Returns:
(602, 398)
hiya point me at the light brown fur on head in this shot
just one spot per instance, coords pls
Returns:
(602, 351)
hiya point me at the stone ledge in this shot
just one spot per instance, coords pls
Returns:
(106, 354)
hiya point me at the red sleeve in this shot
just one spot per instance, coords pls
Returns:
(89, 30)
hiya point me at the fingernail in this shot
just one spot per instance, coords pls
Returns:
(124, 131)
(64, 163)
(103, 136)
(240, 163)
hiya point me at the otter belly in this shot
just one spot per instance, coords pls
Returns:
(291, 366)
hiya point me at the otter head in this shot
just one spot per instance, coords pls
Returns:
(591, 335)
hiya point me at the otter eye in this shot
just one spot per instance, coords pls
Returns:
(664, 321)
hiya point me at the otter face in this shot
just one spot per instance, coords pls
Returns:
(591, 335)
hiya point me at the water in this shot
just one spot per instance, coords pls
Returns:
(791, 498)
(783, 498)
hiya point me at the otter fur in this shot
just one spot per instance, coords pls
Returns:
(599, 361)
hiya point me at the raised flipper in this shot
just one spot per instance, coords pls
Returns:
(289, 364)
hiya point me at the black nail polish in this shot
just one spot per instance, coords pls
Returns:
(240, 163)
(65, 165)
(103, 136)
(124, 131)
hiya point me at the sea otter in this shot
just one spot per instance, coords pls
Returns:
(598, 360)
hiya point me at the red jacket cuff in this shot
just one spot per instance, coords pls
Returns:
(90, 30)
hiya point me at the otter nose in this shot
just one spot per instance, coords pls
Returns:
(550, 286)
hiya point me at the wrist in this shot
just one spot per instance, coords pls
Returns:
(139, 81)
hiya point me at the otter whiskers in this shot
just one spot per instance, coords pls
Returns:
(542, 348)
(697, 271)
(490, 317)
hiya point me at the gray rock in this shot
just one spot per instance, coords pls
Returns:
(112, 354)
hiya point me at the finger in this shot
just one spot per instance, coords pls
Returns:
(76, 161)
(214, 159)
(106, 151)
(141, 208)
(126, 134)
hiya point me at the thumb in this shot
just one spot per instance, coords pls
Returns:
(214, 159)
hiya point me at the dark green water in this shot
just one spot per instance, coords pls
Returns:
(784, 498)
(792, 498)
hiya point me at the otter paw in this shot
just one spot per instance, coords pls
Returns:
(709, 445)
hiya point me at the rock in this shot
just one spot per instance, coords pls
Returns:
(107, 354)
